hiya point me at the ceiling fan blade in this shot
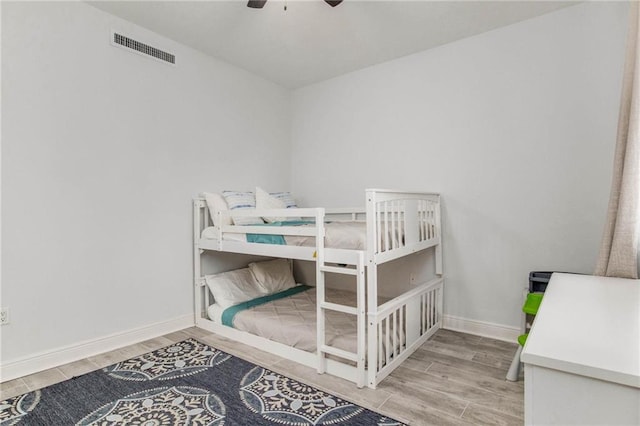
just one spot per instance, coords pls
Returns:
(333, 3)
(256, 4)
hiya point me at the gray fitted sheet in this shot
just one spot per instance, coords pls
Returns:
(292, 321)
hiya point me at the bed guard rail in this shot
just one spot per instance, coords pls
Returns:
(400, 223)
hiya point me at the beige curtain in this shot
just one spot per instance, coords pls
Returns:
(619, 248)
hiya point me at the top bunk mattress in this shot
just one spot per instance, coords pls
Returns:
(343, 235)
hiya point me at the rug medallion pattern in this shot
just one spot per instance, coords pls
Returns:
(13, 409)
(178, 360)
(186, 383)
(288, 401)
(161, 407)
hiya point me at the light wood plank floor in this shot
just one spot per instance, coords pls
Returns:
(453, 379)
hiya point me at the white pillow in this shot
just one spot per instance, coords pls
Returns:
(233, 287)
(273, 275)
(275, 200)
(238, 200)
(216, 203)
(266, 201)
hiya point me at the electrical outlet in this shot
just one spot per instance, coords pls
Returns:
(4, 316)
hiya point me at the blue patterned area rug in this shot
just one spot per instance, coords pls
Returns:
(187, 383)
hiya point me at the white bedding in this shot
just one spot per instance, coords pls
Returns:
(344, 235)
(292, 320)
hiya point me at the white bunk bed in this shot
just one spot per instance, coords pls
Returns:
(398, 223)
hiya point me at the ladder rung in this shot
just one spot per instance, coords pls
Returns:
(339, 308)
(339, 270)
(339, 353)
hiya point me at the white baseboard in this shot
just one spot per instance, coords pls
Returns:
(481, 328)
(66, 354)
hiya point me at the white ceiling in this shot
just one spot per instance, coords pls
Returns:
(311, 41)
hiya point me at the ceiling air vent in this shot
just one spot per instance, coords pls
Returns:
(142, 48)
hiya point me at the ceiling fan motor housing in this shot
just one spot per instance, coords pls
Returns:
(259, 4)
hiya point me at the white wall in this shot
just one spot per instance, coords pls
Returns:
(102, 152)
(516, 129)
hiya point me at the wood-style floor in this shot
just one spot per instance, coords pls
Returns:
(453, 379)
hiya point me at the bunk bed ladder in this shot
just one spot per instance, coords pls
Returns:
(323, 305)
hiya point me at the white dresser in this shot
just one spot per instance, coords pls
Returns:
(582, 356)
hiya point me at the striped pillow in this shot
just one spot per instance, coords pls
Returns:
(264, 200)
(237, 200)
(285, 197)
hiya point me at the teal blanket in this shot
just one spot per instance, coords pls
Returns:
(275, 239)
(229, 314)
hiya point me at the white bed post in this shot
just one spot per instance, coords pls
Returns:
(320, 291)
(438, 247)
(361, 320)
(372, 289)
(438, 252)
(197, 270)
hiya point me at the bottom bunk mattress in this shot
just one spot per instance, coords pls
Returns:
(290, 319)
